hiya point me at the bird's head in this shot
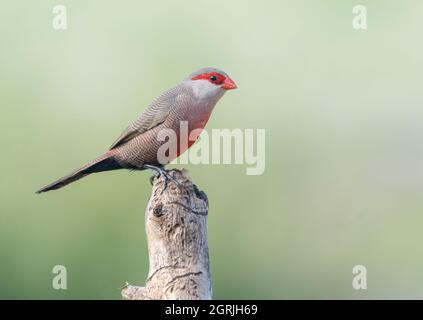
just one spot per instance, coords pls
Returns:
(210, 83)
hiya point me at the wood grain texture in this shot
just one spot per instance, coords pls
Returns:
(176, 226)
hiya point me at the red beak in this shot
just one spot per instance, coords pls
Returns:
(229, 84)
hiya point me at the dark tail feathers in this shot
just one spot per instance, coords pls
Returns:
(102, 163)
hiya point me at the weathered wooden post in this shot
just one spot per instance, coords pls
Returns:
(176, 226)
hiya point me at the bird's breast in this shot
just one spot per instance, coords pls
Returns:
(192, 124)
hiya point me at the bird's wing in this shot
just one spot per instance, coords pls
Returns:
(155, 114)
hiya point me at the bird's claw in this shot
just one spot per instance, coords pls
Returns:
(151, 179)
(162, 171)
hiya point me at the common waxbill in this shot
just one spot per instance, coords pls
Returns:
(137, 147)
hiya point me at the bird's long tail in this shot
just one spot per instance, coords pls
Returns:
(105, 162)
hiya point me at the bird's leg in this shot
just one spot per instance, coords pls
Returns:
(154, 168)
(161, 171)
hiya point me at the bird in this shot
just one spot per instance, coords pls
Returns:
(191, 101)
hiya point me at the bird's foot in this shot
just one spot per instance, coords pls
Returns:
(161, 171)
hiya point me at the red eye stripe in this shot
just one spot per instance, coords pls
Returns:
(207, 76)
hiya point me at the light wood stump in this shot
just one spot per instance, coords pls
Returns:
(176, 226)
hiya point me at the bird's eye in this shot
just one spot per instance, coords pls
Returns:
(213, 78)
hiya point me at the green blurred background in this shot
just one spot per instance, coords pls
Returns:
(343, 113)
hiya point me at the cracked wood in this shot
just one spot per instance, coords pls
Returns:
(176, 227)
